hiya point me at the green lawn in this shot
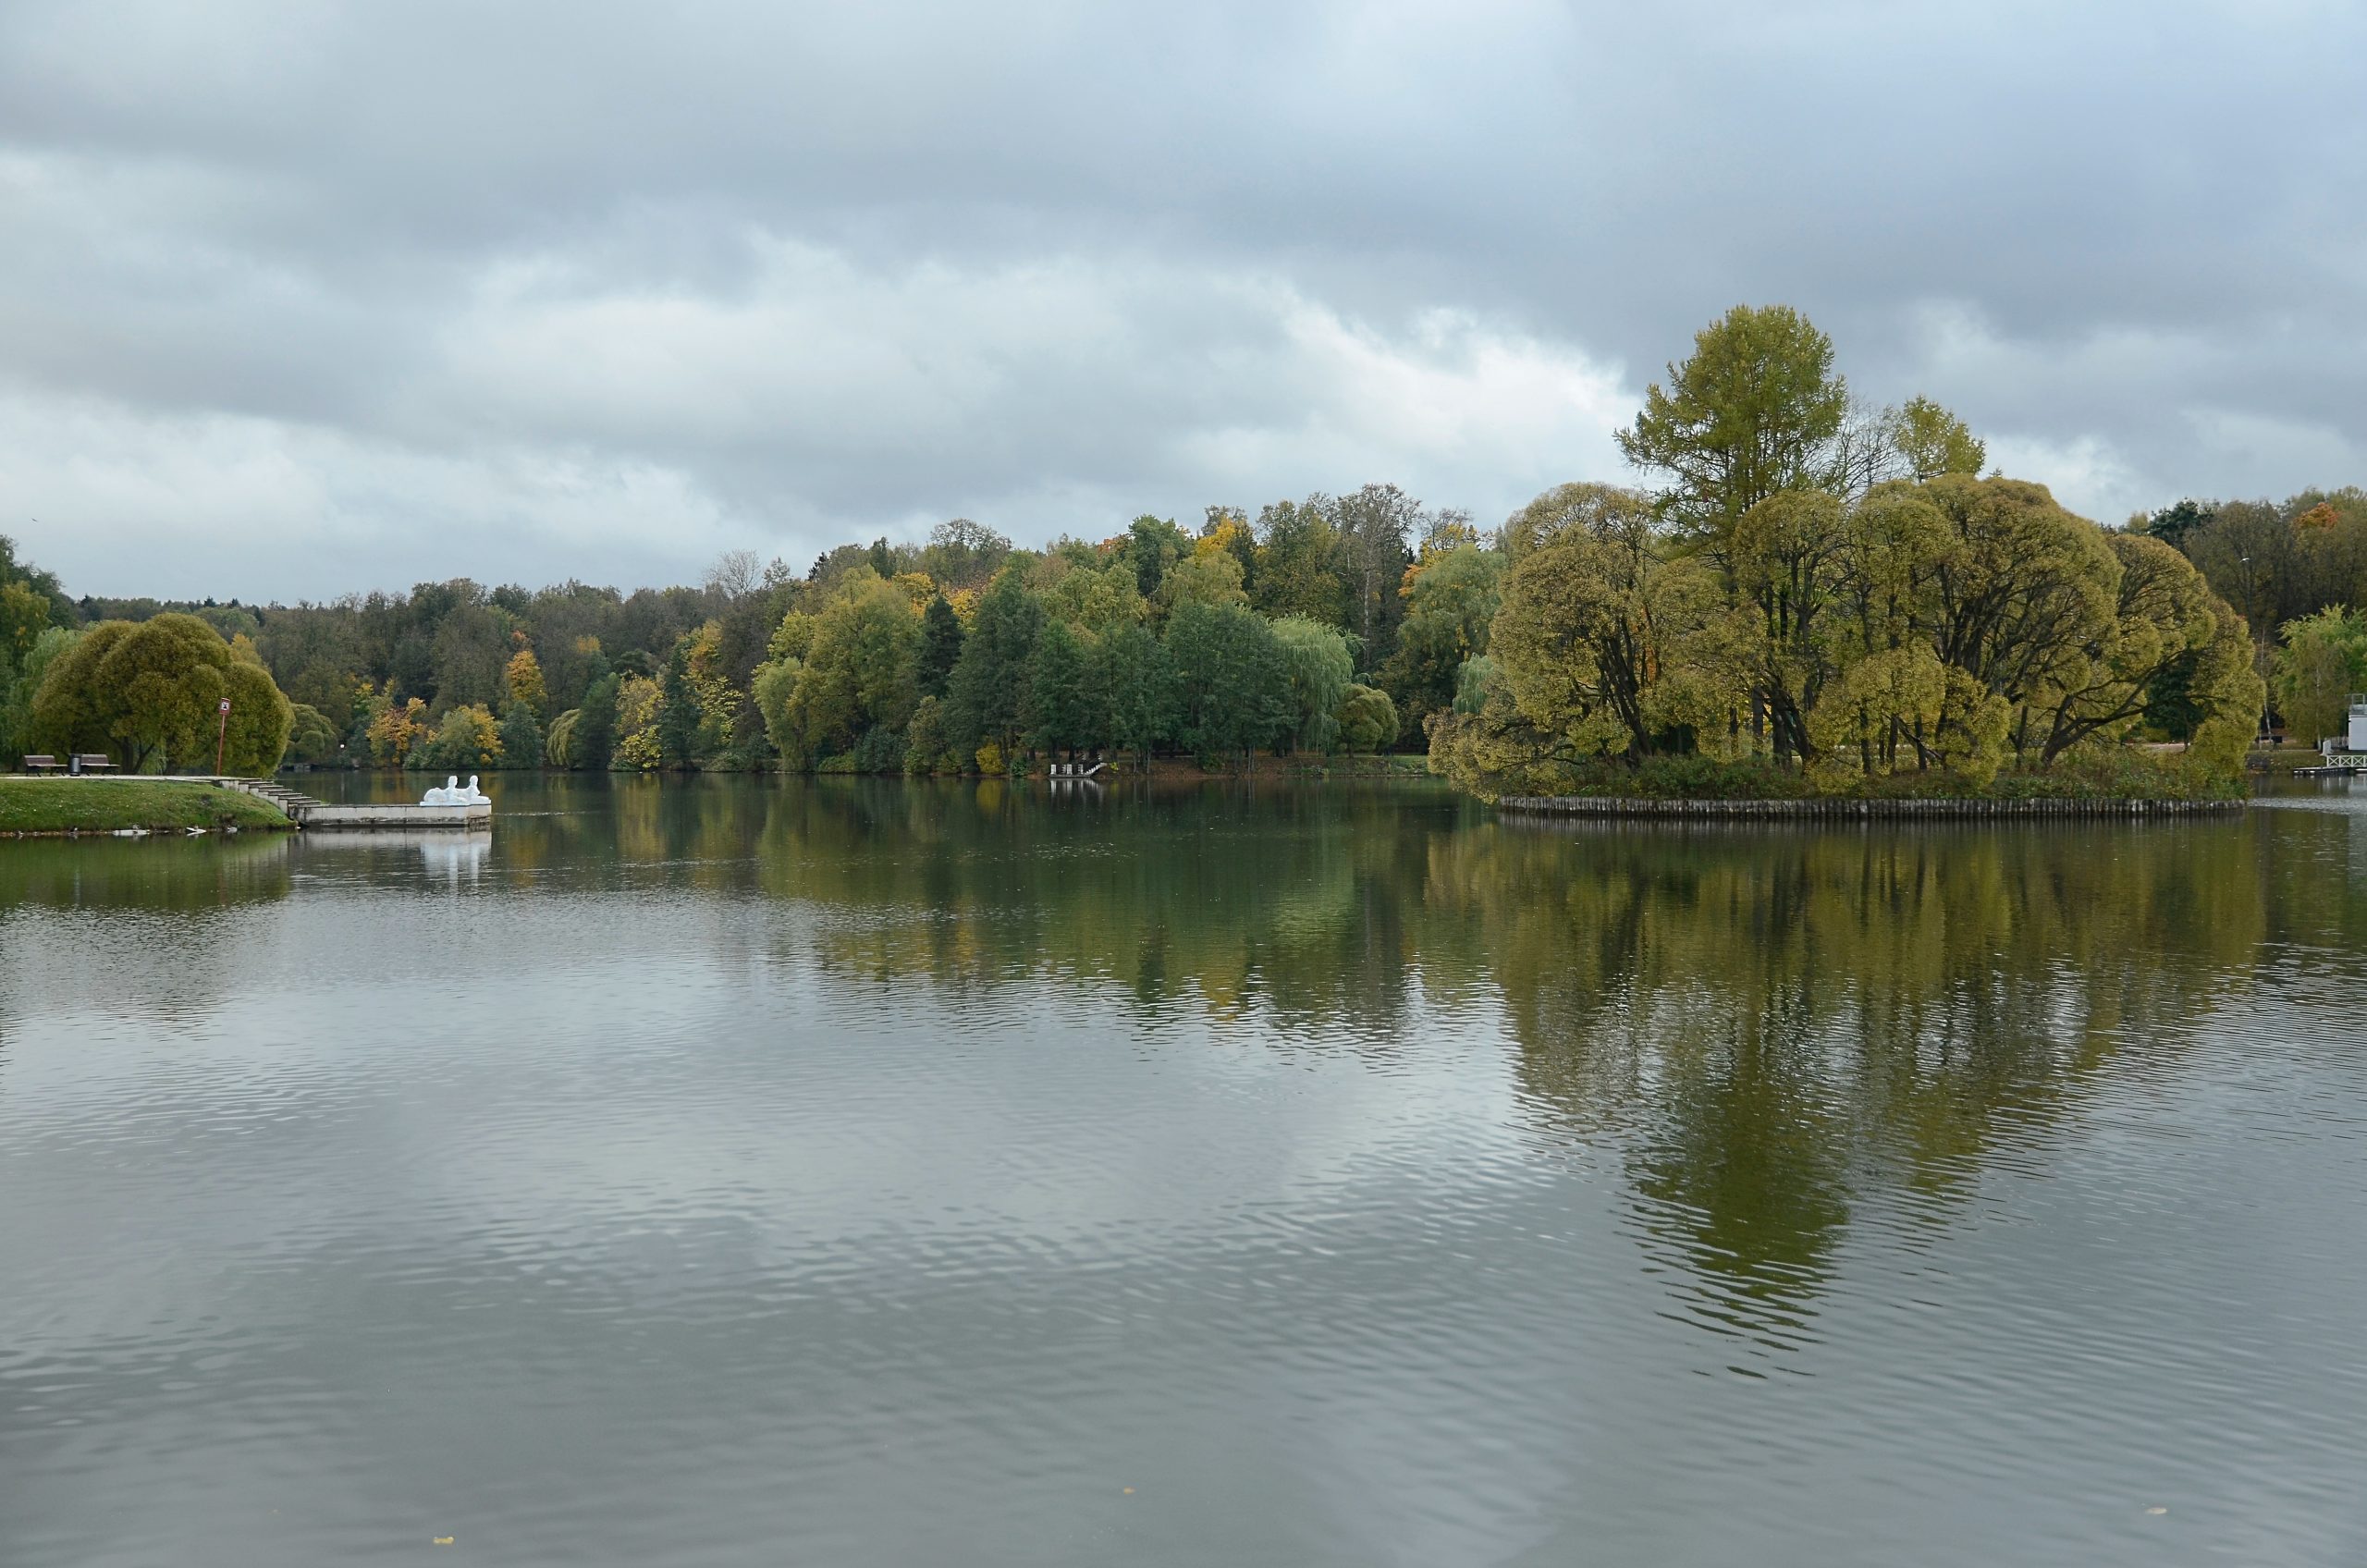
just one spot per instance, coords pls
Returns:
(102, 805)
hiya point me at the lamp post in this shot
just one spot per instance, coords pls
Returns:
(221, 734)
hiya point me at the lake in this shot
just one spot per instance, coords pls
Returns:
(732, 1171)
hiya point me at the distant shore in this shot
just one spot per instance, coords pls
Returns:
(65, 807)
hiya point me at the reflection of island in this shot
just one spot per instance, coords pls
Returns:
(1775, 1027)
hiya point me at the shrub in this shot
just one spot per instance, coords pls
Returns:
(1367, 719)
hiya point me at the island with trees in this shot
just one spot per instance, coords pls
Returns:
(1805, 599)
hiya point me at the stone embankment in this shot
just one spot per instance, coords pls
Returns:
(1839, 810)
(315, 815)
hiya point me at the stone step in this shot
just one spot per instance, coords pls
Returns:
(295, 803)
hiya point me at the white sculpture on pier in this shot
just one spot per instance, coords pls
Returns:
(451, 794)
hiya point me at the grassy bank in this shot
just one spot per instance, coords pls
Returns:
(104, 805)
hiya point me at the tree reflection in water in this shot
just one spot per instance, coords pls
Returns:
(1781, 1028)
(1772, 1031)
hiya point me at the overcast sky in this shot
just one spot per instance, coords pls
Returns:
(297, 300)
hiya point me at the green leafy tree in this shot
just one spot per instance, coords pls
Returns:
(1790, 559)
(962, 554)
(2322, 661)
(1316, 664)
(1204, 577)
(926, 748)
(859, 669)
(940, 647)
(1134, 680)
(1232, 681)
(1062, 700)
(522, 736)
(1302, 566)
(255, 734)
(987, 698)
(1930, 441)
(24, 680)
(147, 694)
(469, 651)
(677, 712)
(1375, 527)
(1153, 546)
(558, 746)
(1755, 411)
(2171, 525)
(1091, 593)
(34, 579)
(467, 737)
(1608, 642)
(774, 688)
(2163, 617)
(1368, 720)
(596, 724)
(775, 691)
(314, 738)
(24, 616)
(1450, 600)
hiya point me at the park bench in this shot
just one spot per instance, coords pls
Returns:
(92, 762)
(43, 764)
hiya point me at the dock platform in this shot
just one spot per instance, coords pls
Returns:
(315, 816)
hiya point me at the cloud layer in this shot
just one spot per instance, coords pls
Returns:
(296, 300)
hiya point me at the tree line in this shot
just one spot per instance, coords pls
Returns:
(1332, 623)
(2297, 571)
(1807, 587)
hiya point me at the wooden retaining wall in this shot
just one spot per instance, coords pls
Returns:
(1852, 810)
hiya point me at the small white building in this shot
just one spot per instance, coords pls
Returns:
(2358, 741)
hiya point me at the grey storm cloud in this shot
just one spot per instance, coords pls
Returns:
(297, 298)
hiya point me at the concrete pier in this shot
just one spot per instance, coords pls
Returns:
(432, 819)
(315, 815)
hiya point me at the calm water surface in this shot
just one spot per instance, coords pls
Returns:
(738, 1172)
